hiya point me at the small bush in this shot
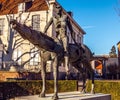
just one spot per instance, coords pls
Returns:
(32, 87)
(106, 87)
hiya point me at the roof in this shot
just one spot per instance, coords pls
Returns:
(11, 6)
(76, 24)
(100, 57)
(112, 61)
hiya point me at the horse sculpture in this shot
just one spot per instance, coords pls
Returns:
(50, 50)
(77, 60)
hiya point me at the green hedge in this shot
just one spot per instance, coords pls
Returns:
(31, 87)
(106, 87)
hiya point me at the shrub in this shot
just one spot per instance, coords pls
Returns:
(106, 87)
(32, 87)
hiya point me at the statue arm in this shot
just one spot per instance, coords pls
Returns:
(71, 30)
(47, 25)
(69, 25)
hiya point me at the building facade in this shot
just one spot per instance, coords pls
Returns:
(18, 52)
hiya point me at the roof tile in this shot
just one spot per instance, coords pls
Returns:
(11, 6)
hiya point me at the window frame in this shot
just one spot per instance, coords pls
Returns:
(21, 7)
(36, 22)
(2, 24)
(16, 54)
(34, 56)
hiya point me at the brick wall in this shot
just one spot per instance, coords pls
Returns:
(7, 75)
(4, 75)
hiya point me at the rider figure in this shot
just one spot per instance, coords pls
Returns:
(60, 22)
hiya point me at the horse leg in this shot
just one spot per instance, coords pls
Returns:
(55, 74)
(82, 70)
(92, 88)
(92, 77)
(66, 66)
(89, 67)
(84, 82)
(43, 75)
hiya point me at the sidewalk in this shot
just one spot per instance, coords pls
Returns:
(68, 96)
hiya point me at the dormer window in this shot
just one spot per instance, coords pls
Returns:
(24, 6)
(21, 7)
(28, 5)
(0, 6)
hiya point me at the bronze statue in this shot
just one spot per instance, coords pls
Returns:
(61, 22)
(54, 51)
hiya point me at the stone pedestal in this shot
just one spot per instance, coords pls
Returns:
(69, 96)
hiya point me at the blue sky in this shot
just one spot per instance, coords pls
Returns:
(100, 21)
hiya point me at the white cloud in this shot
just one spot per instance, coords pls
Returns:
(89, 26)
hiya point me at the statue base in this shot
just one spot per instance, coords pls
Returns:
(68, 96)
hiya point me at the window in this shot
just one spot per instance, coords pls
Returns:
(36, 22)
(17, 53)
(1, 55)
(1, 26)
(74, 34)
(24, 6)
(70, 38)
(21, 7)
(0, 6)
(28, 5)
(78, 39)
(34, 56)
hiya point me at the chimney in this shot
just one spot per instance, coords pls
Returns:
(70, 13)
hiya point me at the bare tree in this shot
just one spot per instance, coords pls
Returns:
(14, 40)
